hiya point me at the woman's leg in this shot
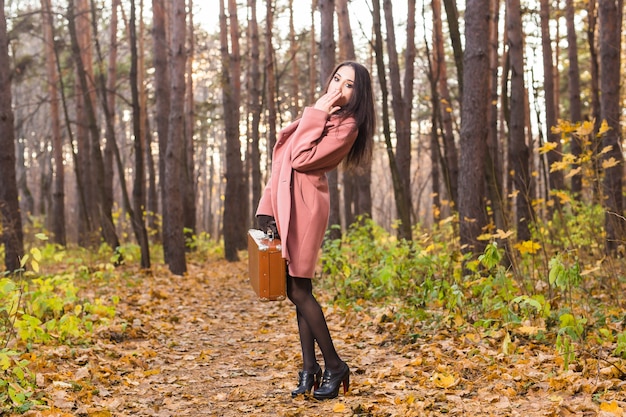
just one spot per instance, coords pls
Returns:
(311, 322)
(307, 342)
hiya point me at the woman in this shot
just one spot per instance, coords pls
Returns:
(339, 127)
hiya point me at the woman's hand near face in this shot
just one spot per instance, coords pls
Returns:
(327, 102)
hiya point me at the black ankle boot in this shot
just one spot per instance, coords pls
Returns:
(331, 381)
(307, 380)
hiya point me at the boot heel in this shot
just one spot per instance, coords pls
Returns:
(346, 384)
(331, 382)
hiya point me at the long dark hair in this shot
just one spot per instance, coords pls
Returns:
(361, 108)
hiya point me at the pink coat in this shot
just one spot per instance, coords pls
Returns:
(297, 193)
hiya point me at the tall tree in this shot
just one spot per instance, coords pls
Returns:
(254, 103)
(402, 104)
(174, 153)
(444, 113)
(573, 72)
(139, 184)
(162, 93)
(58, 193)
(472, 211)
(346, 52)
(327, 64)
(235, 196)
(610, 23)
(401, 202)
(452, 13)
(519, 154)
(189, 190)
(556, 176)
(495, 161)
(100, 217)
(12, 234)
(270, 77)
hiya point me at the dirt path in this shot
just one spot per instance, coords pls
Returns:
(202, 345)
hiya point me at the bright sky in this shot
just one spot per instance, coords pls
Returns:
(207, 13)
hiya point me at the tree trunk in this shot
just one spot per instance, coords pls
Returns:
(152, 202)
(12, 234)
(139, 183)
(495, 147)
(101, 218)
(610, 24)
(189, 196)
(451, 166)
(254, 106)
(235, 196)
(574, 89)
(402, 105)
(472, 211)
(162, 93)
(108, 91)
(294, 96)
(357, 194)
(452, 14)
(175, 151)
(400, 198)
(270, 76)
(327, 64)
(555, 177)
(519, 154)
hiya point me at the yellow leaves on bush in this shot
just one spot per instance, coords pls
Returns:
(527, 247)
(547, 147)
(604, 127)
(610, 163)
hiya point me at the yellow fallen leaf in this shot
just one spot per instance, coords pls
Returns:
(443, 380)
(151, 372)
(339, 408)
(612, 407)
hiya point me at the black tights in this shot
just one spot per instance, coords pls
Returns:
(311, 325)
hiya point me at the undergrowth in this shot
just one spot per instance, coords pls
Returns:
(53, 300)
(555, 288)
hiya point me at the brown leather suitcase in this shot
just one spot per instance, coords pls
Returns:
(266, 267)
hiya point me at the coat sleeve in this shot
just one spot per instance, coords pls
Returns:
(265, 204)
(318, 146)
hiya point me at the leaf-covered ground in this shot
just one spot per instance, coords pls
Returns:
(202, 345)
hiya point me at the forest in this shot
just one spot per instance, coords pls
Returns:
(136, 138)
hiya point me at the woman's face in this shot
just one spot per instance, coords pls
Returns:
(343, 81)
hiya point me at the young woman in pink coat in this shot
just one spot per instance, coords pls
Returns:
(339, 127)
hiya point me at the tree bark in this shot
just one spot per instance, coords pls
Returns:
(400, 198)
(452, 14)
(270, 77)
(555, 177)
(451, 166)
(189, 196)
(12, 234)
(235, 196)
(402, 100)
(139, 183)
(519, 154)
(495, 147)
(574, 89)
(174, 154)
(101, 217)
(327, 64)
(58, 194)
(162, 93)
(472, 211)
(254, 106)
(610, 24)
